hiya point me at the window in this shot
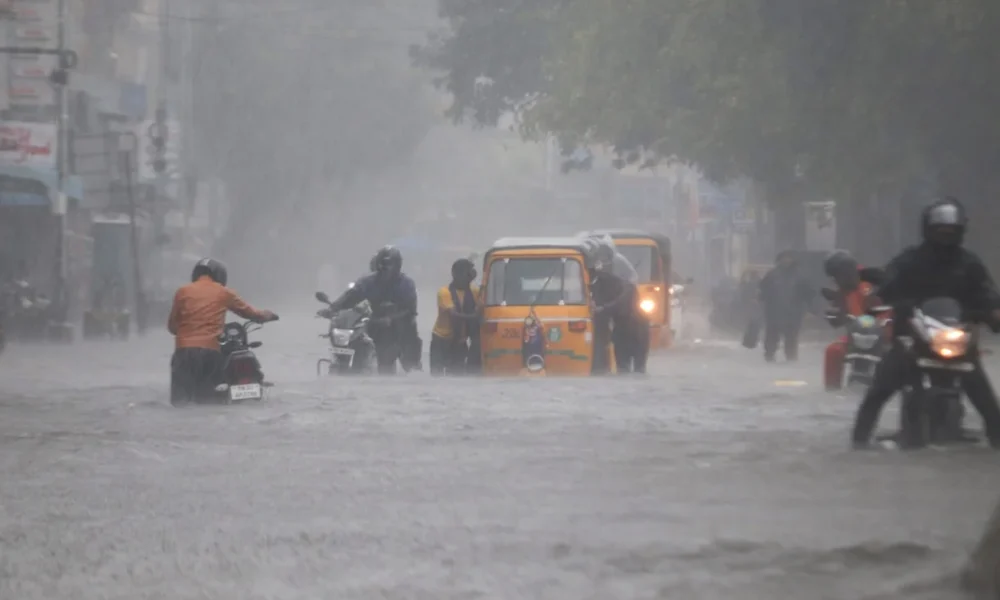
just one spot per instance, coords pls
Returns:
(645, 260)
(535, 281)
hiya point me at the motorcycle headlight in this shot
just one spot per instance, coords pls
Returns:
(950, 342)
(342, 337)
(233, 333)
(647, 306)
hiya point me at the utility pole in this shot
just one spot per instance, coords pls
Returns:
(62, 142)
(163, 133)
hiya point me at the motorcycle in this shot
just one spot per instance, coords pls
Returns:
(867, 339)
(242, 377)
(351, 348)
(942, 351)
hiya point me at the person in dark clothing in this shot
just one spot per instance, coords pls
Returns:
(785, 296)
(630, 334)
(390, 284)
(616, 317)
(938, 267)
(456, 331)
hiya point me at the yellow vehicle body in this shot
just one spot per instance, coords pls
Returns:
(544, 279)
(649, 253)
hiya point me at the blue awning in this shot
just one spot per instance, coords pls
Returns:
(72, 184)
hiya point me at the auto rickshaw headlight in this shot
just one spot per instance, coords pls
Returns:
(647, 306)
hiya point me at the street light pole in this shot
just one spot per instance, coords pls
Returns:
(62, 141)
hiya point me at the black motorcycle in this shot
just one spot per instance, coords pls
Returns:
(352, 350)
(941, 352)
(242, 377)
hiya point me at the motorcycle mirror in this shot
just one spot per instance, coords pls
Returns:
(256, 344)
(322, 297)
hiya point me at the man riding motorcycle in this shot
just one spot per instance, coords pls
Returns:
(197, 319)
(854, 298)
(616, 316)
(938, 267)
(389, 284)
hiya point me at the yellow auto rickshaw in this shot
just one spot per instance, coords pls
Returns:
(536, 308)
(649, 254)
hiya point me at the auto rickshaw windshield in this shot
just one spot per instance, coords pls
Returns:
(645, 260)
(535, 281)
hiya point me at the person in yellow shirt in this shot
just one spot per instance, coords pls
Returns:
(456, 332)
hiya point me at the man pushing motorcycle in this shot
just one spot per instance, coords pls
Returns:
(388, 284)
(197, 319)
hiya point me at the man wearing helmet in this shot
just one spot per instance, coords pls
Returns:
(388, 284)
(196, 320)
(938, 267)
(853, 297)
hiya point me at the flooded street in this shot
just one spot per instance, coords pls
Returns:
(705, 480)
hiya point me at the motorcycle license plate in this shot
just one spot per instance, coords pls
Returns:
(342, 351)
(250, 391)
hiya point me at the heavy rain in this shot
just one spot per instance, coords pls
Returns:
(684, 180)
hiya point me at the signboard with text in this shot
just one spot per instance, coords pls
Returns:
(28, 144)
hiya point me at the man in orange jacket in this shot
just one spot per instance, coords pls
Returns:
(854, 299)
(197, 319)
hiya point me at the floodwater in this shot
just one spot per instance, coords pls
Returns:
(704, 480)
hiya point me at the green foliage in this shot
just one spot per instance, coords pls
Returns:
(850, 95)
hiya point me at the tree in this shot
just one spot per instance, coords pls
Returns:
(851, 95)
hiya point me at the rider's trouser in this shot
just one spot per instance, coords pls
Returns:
(833, 364)
(194, 373)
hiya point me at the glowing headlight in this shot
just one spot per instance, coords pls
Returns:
(647, 306)
(233, 333)
(342, 337)
(950, 343)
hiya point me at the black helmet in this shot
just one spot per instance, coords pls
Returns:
(211, 267)
(943, 223)
(388, 259)
(839, 263)
(463, 269)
